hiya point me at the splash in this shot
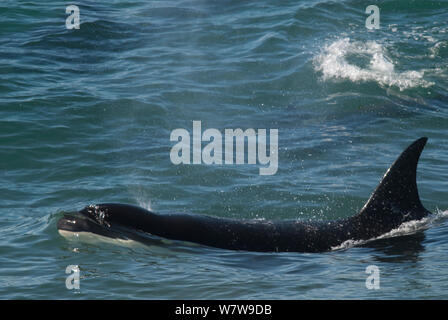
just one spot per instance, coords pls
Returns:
(142, 196)
(406, 228)
(363, 62)
(145, 204)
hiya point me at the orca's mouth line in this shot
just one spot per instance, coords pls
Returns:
(394, 202)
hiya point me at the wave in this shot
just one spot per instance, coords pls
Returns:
(358, 61)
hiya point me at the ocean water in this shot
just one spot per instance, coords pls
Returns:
(86, 116)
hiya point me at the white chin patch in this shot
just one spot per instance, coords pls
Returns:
(89, 237)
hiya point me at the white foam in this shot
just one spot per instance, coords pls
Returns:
(333, 64)
(406, 228)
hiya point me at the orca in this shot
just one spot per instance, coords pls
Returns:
(394, 202)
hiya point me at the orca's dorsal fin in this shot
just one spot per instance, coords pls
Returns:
(396, 198)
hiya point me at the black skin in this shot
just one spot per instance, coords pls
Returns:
(394, 202)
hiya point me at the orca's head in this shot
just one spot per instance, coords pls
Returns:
(101, 222)
(91, 219)
(78, 223)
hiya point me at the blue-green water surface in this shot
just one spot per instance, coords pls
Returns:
(86, 116)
